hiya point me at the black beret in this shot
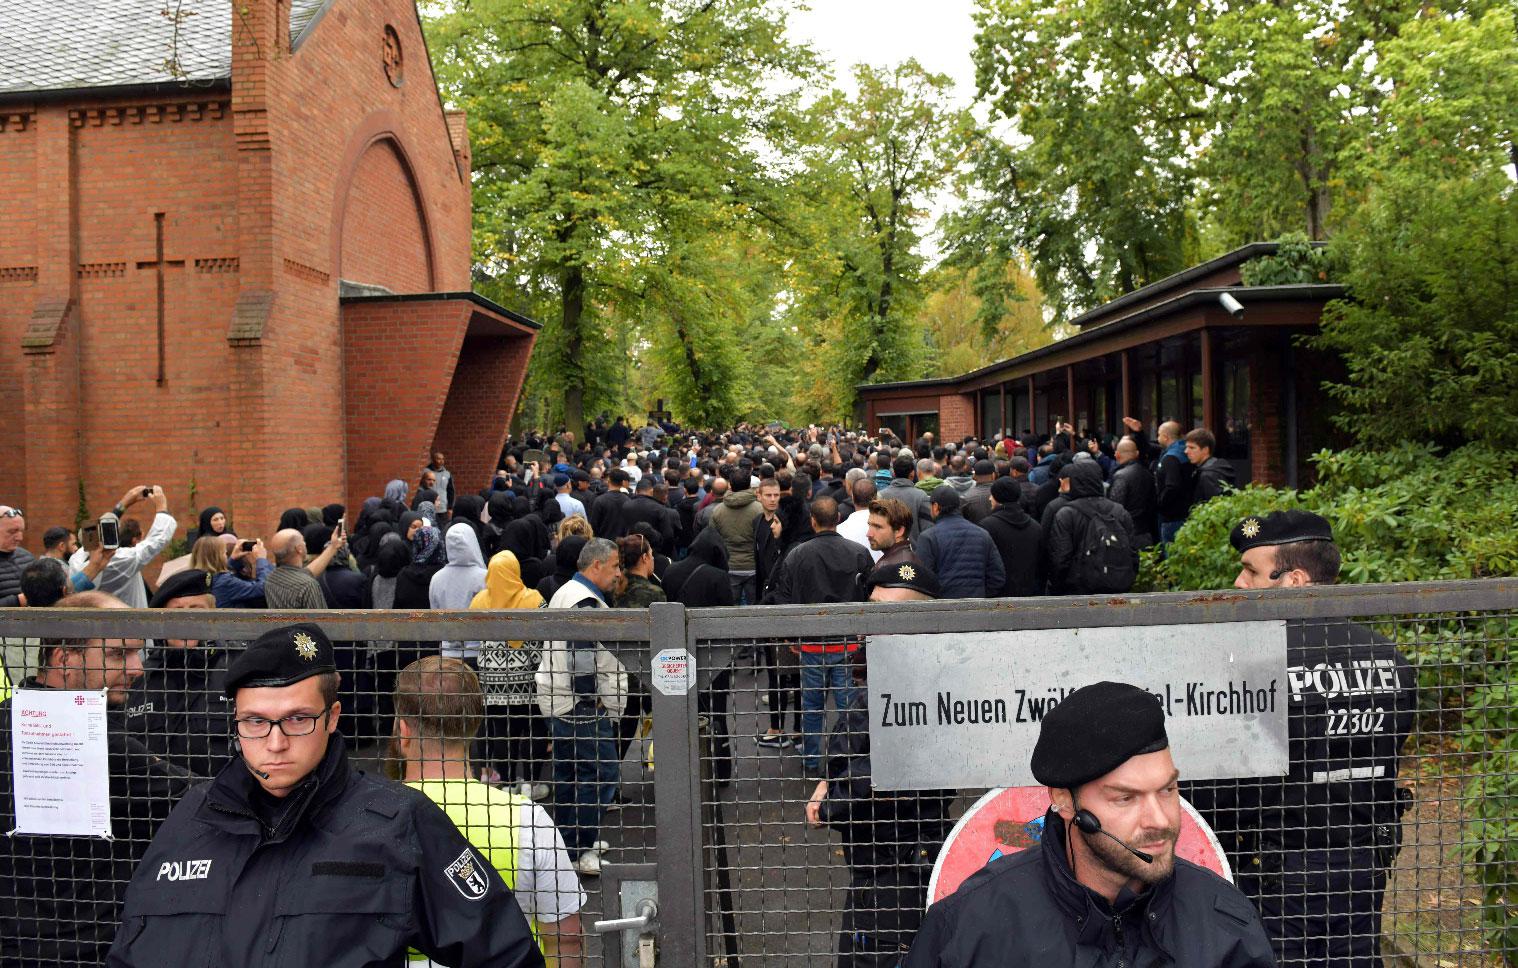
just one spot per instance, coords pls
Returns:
(281, 657)
(946, 497)
(906, 574)
(983, 468)
(1093, 731)
(1006, 490)
(1279, 528)
(181, 584)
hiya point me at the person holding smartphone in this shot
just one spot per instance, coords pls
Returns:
(122, 576)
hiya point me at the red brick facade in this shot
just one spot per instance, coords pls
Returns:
(245, 208)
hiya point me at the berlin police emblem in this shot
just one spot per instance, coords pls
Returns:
(465, 874)
(305, 646)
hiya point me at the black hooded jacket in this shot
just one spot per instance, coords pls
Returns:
(1065, 537)
(1020, 542)
(1029, 910)
(700, 578)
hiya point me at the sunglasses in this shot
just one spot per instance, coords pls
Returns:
(10, 512)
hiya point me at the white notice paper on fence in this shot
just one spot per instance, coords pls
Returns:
(60, 763)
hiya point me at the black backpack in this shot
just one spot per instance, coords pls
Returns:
(1104, 551)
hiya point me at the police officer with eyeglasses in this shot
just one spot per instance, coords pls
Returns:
(290, 856)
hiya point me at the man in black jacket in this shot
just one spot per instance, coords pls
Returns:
(1133, 488)
(1213, 475)
(13, 557)
(1018, 539)
(179, 709)
(1082, 896)
(606, 512)
(890, 840)
(60, 896)
(291, 856)
(1090, 541)
(645, 507)
(826, 568)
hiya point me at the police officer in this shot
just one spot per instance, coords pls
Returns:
(890, 840)
(179, 709)
(1315, 850)
(292, 857)
(60, 896)
(1103, 886)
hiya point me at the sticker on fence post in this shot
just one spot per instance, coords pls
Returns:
(963, 710)
(59, 762)
(674, 671)
(1011, 819)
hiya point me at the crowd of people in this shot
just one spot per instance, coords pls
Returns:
(620, 517)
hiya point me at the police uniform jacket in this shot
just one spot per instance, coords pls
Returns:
(178, 709)
(350, 873)
(1352, 703)
(62, 895)
(1028, 909)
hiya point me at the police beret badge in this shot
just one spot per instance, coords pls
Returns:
(1250, 528)
(305, 646)
(906, 573)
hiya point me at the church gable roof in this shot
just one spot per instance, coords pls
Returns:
(48, 45)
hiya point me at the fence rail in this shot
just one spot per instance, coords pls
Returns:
(742, 878)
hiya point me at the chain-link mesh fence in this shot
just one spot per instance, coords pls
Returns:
(1394, 836)
(1394, 833)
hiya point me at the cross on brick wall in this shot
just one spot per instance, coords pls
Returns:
(160, 264)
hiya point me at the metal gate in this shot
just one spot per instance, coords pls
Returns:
(708, 854)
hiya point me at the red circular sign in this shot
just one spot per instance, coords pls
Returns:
(1010, 819)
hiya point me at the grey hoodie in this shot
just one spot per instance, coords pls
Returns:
(456, 583)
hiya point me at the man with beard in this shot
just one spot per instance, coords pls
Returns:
(1103, 886)
(62, 893)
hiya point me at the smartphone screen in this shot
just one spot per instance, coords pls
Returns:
(110, 534)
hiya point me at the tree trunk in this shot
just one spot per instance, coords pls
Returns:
(572, 301)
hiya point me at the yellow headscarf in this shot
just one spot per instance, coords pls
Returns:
(503, 586)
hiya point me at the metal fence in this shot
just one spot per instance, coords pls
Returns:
(711, 825)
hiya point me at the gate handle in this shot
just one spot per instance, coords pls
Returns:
(648, 911)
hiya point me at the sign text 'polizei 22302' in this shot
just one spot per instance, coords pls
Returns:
(963, 710)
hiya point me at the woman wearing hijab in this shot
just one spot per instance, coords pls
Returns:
(454, 586)
(527, 535)
(395, 492)
(415, 580)
(213, 524)
(515, 742)
(470, 509)
(500, 514)
(566, 563)
(294, 519)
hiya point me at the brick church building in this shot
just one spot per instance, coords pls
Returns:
(235, 260)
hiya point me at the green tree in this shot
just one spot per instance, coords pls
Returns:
(873, 161)
(958, 333)
(594, 124)
(1429, 333)
(1147, 135)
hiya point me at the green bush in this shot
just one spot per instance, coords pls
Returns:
(1408, 514)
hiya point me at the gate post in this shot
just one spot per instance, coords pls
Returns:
(677, 801)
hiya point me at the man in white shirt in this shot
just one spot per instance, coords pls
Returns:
(122, 577)
(856, 527)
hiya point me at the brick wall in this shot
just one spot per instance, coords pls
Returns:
(956, 416)
(316, 165)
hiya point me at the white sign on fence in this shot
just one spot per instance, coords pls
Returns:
(59, 762)
(963, 710)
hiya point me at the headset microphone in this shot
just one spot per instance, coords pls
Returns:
(237, 745)
(1089, 824)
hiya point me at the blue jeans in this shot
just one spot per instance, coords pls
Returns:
(585, 774)
(1169, 529)
(819, 671)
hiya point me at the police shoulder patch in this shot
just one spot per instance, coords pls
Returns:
(466, 874)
